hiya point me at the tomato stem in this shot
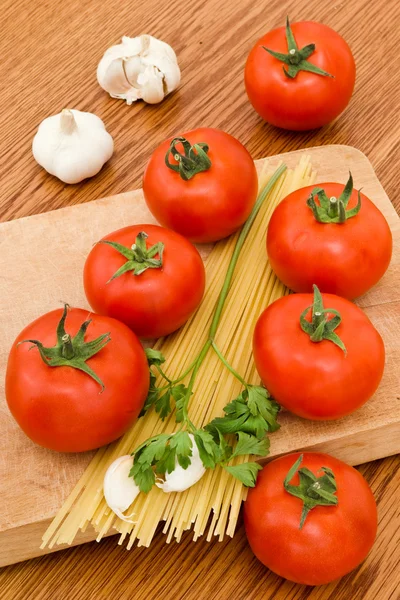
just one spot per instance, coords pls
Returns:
(194, 159)
(139, 258)
(67, 349)
(72, 352)
(312, 490)
(334, 210)
(296, 59)
(321, 328)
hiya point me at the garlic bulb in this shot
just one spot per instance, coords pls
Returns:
(181, 479)
(119, 489)
(139, 68)
(72, 145)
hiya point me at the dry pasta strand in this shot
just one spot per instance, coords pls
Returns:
(212, 506)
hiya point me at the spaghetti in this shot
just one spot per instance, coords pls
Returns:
(212, 504)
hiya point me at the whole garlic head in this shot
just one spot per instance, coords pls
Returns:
(140, 68)
(181, 479)
(72, 145)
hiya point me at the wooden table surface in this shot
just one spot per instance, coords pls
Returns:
(49, 52)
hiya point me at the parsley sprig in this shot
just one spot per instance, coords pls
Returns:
(246, 421)
(248, 417)
(160, 397)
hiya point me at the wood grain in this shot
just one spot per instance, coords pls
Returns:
(49, 56)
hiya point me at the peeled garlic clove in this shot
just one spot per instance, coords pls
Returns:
(139, 68)
(181, 479)
(119, 489)
(72, 145)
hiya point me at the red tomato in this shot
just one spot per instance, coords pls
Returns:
(333, 541)
(155, 302)
(318, 380)
(346, 259)
(214, 202)
(64, 408)
(306, 100)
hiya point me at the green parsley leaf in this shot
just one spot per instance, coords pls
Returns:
(226, 425)
(179, 394)
(166, 464)
(163, 405)
(249, 444)
(225, 450)
(154, 357)
(143, 477)
(208, 449)
(148, 456)
(182, 443)
(236, 414)
(261, 403)
(152, 450)
(246, 473)
(253, 412)
(151, 396)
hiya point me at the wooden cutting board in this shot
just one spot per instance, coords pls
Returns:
(41, 260)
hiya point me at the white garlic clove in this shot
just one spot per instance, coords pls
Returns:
(181, 479)
(164, 59)
(119, 489)
(72, 145)
(132, 68)
(113, 77)
(139, 68)
(150, 82)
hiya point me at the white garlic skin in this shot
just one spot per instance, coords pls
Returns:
(119, 489)
(181, 479)
(72, 145)
(140, 68)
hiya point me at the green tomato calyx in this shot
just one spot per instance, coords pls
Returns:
(139, 258)
(321, 327)
(194, 159)
(296, 59)
(72, 351)
(312, 490)
(334, 210)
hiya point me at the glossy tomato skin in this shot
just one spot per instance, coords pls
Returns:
(309, 100)
(346, 259)
(156, 302)
(317, 380)
(334, 540)
(214, 203)
(61, 408)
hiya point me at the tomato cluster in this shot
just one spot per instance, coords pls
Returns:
(318, 354)
(88, 379)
